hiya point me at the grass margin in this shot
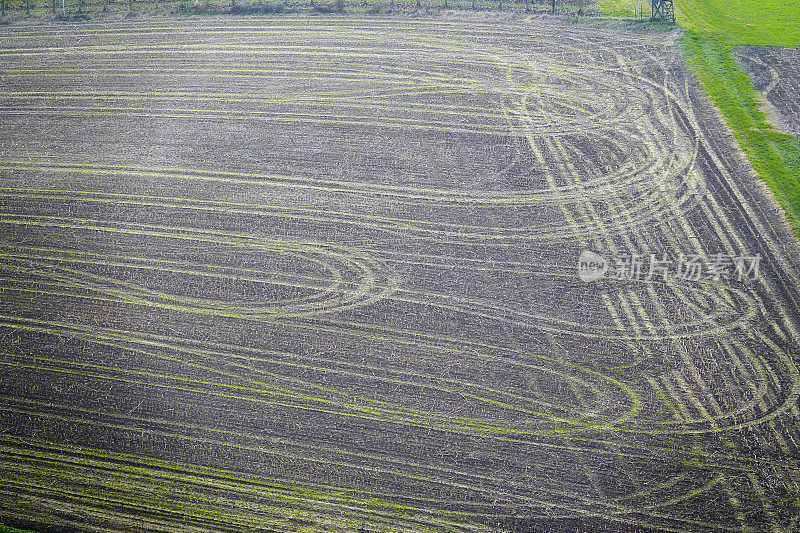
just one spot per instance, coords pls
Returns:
(10, 529)
(775, 156)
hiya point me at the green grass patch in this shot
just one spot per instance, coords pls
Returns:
(714, 27)
(9, 529)
(765, 22)
(775, 156)
(621, 8)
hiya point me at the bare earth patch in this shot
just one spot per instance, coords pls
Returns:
(775, 73)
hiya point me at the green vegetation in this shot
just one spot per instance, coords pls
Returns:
(775, 156)
(620, 8)
(713, 28)
(769, 22)
(9, 529)
(764, 22)
(72, 10)
(317, 273)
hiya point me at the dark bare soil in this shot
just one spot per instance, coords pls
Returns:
(320, 274)
(775, 73)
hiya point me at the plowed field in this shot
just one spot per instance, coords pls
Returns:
(307, 273)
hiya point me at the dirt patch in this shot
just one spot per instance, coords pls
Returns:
(775, 73)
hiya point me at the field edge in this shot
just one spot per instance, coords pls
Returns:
(774, 156)
(11, 529)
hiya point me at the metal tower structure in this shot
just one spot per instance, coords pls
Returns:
(663, 10)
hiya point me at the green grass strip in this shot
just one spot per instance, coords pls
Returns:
(775, 156)
(764, 22)
(9, 529)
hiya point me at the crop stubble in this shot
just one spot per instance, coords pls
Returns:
(320, 273)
